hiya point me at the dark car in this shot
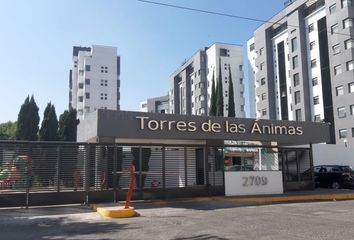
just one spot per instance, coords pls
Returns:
(334, 176)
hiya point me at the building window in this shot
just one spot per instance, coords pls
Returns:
(223, 52)
(342, 133)
(341, 112)
(104, 82)
(316, 100)
(241, 80)
(262, 66)
(201, 98)
(293, 44)
(81, 85)
(87, 68)
(251, 47)
(314, 81)
(334, 28)
(87, 95)
(81, 98)
(313, 63)
(351, 87)
(311, 27)
(332, 8)
(103, 96)
(335, 49)
(87, 81)
(349, 43)
(346, 3)
(80, 112)
(348, 22)
(81, 72)
(317, 118)
(240, 67)
(263, 96)
(261, 51)
(202, 111)
(351, 109)
(312, 45)
(298, 116)
(297, 97)
(339, 90)
(296, 79)
(104, 69)
(352, 132)
(242, 108)
(337, 69)
(264, 112)
(350, 65)
(263, 81)
(295, 62)
(87, 109)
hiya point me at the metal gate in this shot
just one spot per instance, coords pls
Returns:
(42, 173)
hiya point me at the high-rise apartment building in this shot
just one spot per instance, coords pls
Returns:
(301, 66)
(191, 84)
(94, 79)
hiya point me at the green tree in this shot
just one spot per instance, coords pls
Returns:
(212, 110)
(49, 128)
(231, 112)
(219, 94)
(28, 120)
(8, 130)
(68, 125)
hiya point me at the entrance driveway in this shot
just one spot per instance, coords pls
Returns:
(186, 220)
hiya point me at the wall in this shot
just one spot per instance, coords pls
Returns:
(333, 154)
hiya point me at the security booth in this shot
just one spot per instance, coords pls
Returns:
(183, 155)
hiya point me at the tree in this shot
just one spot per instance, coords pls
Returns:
(28, 120)
(68, 125)
(231, 112)
(8, 130)
(219, 94)
(49, 128)
(212, 110)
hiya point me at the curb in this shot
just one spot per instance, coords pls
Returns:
(324, 197)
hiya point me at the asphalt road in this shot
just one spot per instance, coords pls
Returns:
(192, 221)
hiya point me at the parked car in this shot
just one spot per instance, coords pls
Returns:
(334, 176)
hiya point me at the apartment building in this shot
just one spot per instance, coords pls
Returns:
(301, 66)
(191, 84)
(157, 105)
(94, 79)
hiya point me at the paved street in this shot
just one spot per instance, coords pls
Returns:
(198, 220)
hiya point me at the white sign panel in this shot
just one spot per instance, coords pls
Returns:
(253, 183)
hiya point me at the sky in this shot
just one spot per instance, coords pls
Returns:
(37, 36)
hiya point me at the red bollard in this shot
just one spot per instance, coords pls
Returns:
(131, 186)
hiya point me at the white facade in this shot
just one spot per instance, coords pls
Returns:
(94, 80)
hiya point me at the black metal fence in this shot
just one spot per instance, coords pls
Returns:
(37, 173)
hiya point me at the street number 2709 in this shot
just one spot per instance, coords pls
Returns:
(254, 181)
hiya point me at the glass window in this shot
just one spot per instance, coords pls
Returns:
(314, 81)
(332, 8)
(349, 43)
(311, 27)
(351, 87)
(261, 51)
(297, 97)
(295, 62)
(81, 98)
(81, 85)
(348, 22)
(351, 109)
(264, 96)
(316, 100)
(334, 28)
(341, 112)
(312, 45)
(296, 79)
(298, 116)
(264, 112)
(350, 65)
(251, 47)
(339, 90)
(335, 49)
(87, 68)
(337, 69)
(317, 118)
(87, 95)
(262, 66)
(313, 63)
(87, 81)
(294, 44)
(352, 132)
(263, 81)
(342, 133)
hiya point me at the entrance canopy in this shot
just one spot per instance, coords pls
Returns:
(112, 126)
